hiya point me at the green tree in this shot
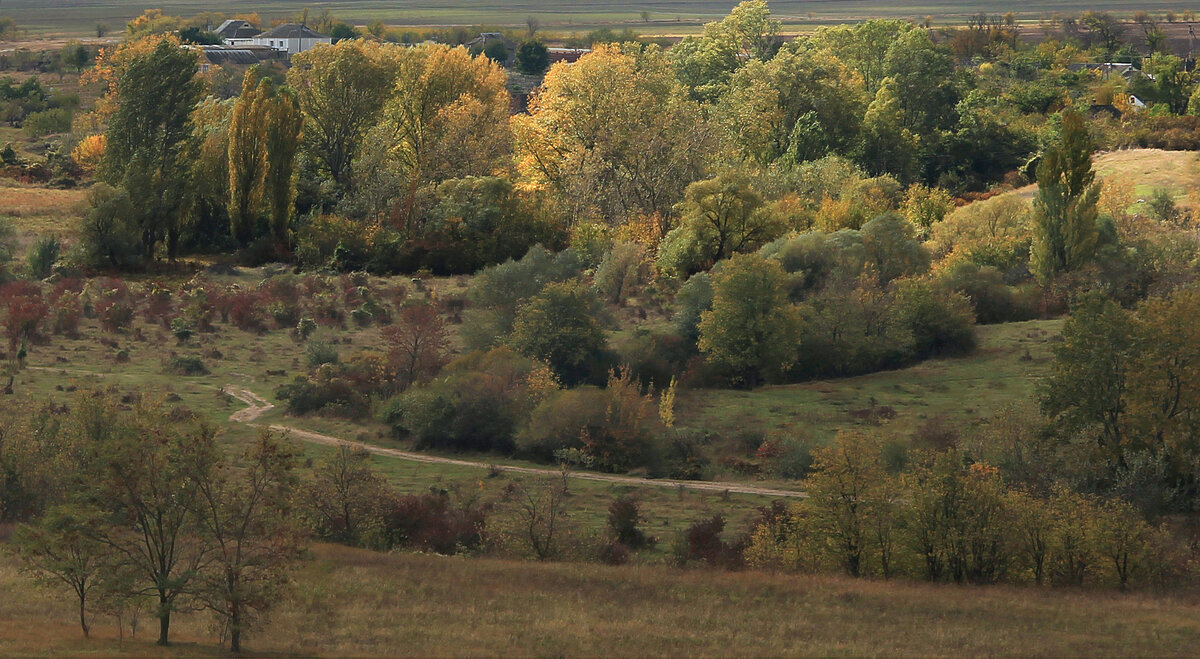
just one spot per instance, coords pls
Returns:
(720, 217)
(150, 142)
(61, 549)
(1065, 234)
(342, 91)
(752, 328)
(1088, 384)
(532, 57)
(705, 63)
(559, 327)
(802, 104)
(887, 146)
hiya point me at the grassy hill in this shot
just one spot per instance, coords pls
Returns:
(351, 602)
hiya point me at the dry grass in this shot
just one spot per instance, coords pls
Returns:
(38, 211)
(356, 603)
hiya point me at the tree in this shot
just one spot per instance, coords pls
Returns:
(447, 118)
(1087, 386)
(887, 146)
(248, 156)
(802, 104)
(923, 74)
(751, 329)
(283, 146)
(1065, 233)
(853, 500)
(417, 344)
(149, 141)
(705, 63)
(559, 327)
(342, 31)
(148, 493)
(245, 514)
(612, 135)
(342, 90)
(8, 28)
(532, 58)
(61, 548)
(719, 217)
(343, 500)
(1106, 29)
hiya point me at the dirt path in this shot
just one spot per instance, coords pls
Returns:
(256, 406)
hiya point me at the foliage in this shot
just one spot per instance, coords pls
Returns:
(751, 329)
(559, 326)
(1065, 232)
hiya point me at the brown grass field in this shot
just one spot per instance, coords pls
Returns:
(357, 603)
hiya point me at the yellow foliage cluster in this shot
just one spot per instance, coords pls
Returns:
(89, 152)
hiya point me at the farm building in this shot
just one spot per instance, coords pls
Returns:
(236, 32)
(290, 38)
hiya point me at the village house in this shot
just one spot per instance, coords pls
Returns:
(236, 32)
(290, 39)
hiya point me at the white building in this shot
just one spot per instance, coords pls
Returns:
(290, 38)
(235, 32)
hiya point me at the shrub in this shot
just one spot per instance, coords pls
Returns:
(702, 542)
(43, 256)
(320, 352)
(622, 273)
(24, 311)
(559, 326)
(185, 365)
(48, 122)
(181, 329)
(624, 516)
(246, 312)
(429, 522)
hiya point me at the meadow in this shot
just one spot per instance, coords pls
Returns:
(359, 603)
(666, 17)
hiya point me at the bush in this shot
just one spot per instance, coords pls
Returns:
(246, 311)
(622, 273)
(429, 522)
(185, 365)
(702, 542)
(43, 256)
(48, 122)
(624, 516)
(320, 352)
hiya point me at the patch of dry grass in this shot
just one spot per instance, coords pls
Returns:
(355, 603)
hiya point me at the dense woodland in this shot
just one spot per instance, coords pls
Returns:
(735, 210)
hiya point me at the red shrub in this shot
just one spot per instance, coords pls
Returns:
(24, 311)
(158, 303)
(246, 311)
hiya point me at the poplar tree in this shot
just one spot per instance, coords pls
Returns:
(150, 140)
(283, 145)
(1065, 234)
(248, 156)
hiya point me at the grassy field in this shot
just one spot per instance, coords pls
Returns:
(959, 391)
(666, 16)
(351, 602)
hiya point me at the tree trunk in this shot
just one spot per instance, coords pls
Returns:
(83, 617)
(235, 628)
(164, 628)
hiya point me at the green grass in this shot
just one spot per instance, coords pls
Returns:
(355, 603)
(1002, 371)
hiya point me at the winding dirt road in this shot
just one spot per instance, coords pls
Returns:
(256, 406)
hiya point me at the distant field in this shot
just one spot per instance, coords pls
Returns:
(358, 603)
(667, 16)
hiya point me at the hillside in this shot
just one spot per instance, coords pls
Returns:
(351, 602)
